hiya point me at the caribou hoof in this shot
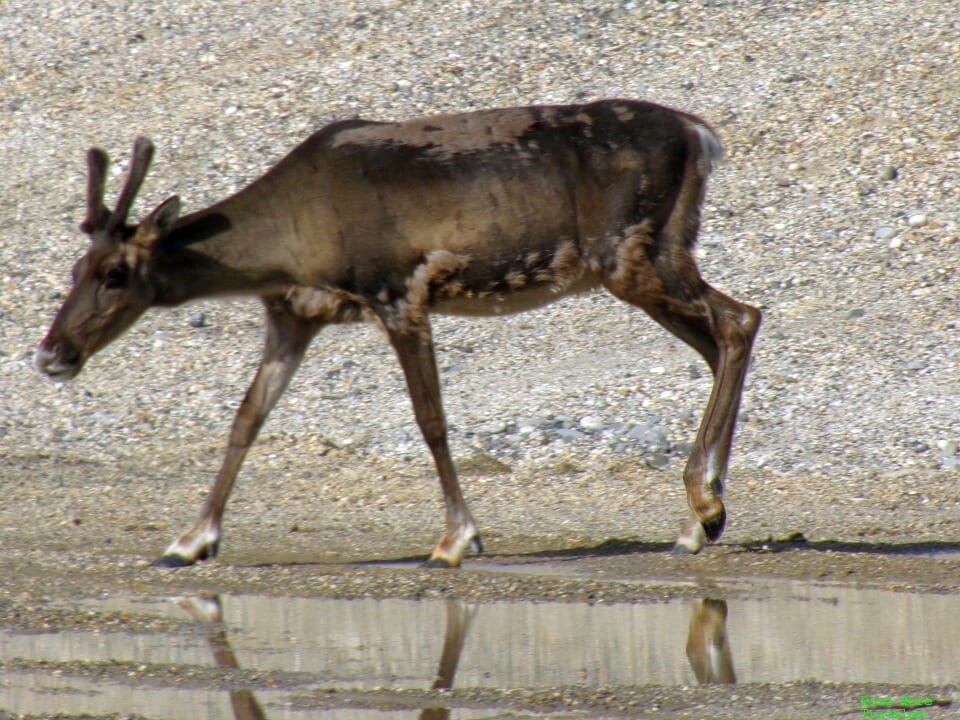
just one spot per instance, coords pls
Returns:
(171, 561)
(713, 528)
(695, 534)
(448, 553)
(179, 560)
(439, 562)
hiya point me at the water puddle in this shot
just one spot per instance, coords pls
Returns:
(796, 632)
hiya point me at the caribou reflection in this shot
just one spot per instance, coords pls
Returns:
(707, 649)
(209, 611)
(459, 617)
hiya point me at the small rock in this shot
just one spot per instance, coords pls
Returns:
(948, 447)
(888, 173)
(591, 423)
(658, 461)
(884, 232)
(494, 427)
(856, 314)
(197, 319)
(569, 435)
(652, 437)
(916, 221)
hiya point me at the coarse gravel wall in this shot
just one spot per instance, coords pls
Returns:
(837, 212)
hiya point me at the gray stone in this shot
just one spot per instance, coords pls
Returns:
(493, 427)
(888, 173)
(591, 423)
(569, 435)
(658, 461)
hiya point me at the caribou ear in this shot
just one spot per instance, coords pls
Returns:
(158, 223)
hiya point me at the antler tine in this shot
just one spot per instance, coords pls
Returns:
(97, 213)
(142, 154)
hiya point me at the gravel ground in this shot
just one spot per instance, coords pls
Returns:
(837, 213)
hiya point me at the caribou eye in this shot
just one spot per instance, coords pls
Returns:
(116, 277)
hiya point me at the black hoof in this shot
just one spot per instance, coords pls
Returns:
(171, 561)
(476, 546)
(714, 526)
(440, 563)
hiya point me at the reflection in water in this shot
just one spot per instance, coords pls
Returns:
(707, 648)
(459, 616)
(794, 632)
(209, 610)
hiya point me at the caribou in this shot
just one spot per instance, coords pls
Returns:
(479, 213)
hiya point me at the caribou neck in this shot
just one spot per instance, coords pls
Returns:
(252, 243)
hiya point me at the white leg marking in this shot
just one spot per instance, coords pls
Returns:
(692, 536)
(452, 547)
(194, 544)
(202, 609)
(713, 478)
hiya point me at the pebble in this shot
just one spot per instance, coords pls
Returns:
(493, 427)
(917, 221)
(658, 461)
(591, 423)
(197, 319)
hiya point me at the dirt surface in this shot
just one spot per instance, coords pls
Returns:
(357, 547)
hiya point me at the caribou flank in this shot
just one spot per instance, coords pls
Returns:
(471, 214)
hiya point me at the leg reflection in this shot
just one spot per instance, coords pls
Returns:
(707, 648)
(209, 610)
(459, 617)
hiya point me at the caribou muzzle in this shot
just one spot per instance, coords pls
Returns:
(62, 362)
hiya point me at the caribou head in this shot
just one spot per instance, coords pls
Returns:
(110, 289)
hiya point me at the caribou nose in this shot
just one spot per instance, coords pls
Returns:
(61, 361)
(43, 359)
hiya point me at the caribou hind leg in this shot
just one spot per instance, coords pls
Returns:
(287, 337)
(414, 348)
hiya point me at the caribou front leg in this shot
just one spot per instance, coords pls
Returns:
(287, 339)
(670, 289)
(733, 327)
(722, 330)
(414, 348)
